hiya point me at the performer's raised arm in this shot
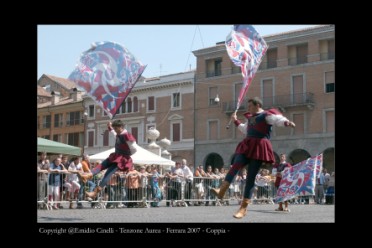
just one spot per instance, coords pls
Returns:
(274, 117)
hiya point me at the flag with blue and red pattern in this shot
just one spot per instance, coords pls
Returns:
(107, 72)
(246, 49)
(299, 180)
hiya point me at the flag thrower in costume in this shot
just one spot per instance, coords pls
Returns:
(246, 49)
(107, 72)
(299, 180)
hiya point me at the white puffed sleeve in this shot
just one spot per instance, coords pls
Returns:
(132, 146)
(277, 120)
(113, 132)
(243, 127)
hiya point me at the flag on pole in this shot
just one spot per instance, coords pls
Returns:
(246, 49)
(107, 72)
(299, 180)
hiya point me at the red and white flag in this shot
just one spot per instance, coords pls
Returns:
(246, 49)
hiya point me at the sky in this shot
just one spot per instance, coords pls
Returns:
(165, 49)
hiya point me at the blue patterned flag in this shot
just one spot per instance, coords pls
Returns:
(246, 49)
(107, 72)
(299, 180)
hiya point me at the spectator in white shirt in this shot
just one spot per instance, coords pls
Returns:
(187, 173)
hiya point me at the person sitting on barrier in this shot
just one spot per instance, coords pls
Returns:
(72, 181)
(125, 146)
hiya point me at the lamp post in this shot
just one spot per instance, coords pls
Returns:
(85, 130)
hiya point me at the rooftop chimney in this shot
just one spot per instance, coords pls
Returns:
(76, 95)
(55, 97)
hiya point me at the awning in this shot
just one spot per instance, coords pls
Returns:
(141, 157)
(49, 146)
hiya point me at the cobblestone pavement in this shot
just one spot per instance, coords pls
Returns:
(194, 214)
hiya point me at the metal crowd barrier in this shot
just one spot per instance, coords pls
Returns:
(138, 191)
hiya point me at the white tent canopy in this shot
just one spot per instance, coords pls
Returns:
(141, 157)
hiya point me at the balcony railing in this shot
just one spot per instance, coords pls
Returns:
(73, 122)
(292, 100)
(236, 69)
(230, 107)
(280, 101)
(214, 73)
(327, 56)
(58, 124)
(46, 125)
(297, 60)
(268, 65)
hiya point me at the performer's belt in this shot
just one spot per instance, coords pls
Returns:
(123, 152)
(256, 136)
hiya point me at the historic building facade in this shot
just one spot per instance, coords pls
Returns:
(165, 103)
(62, 118)
(296, 76)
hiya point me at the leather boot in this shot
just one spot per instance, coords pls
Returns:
(243, 209)
(280, 208)
(221, 191)
(94, 193)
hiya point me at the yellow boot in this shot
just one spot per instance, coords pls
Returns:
(221, 191)
(243, 209)
(94, 193)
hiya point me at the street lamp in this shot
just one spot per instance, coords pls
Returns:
(85, 130)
